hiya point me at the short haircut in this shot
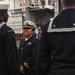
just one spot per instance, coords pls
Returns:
(69, 2)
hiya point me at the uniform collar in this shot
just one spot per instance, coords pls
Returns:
(28, 38)
(1, 24)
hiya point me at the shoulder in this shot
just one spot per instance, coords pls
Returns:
(7, 29)
(35, 40)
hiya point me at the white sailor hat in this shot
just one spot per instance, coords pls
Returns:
(3, 5)
(29, 24)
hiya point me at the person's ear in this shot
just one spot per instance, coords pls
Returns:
(62, 2)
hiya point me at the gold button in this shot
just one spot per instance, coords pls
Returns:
(21, 59)
(21, 55)
(21, 52)
(21, 48)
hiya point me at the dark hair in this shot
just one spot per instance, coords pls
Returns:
(69, 2)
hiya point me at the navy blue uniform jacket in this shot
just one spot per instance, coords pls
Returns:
(8, 52)
(28, 52)
(57, 46)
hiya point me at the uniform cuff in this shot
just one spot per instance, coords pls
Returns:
(26, 65)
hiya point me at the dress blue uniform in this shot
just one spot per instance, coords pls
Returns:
(27, 54)
(8, 50)
(57, 45)
(28, 50)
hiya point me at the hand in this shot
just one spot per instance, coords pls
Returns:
(21, 68)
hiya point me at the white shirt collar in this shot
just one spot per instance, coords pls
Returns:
(27, 38)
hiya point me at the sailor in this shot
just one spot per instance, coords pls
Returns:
(8, 50)
(28, 49)
(56, 53)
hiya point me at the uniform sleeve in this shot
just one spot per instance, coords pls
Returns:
(43, 54)
(11, 51)
(32, 59)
